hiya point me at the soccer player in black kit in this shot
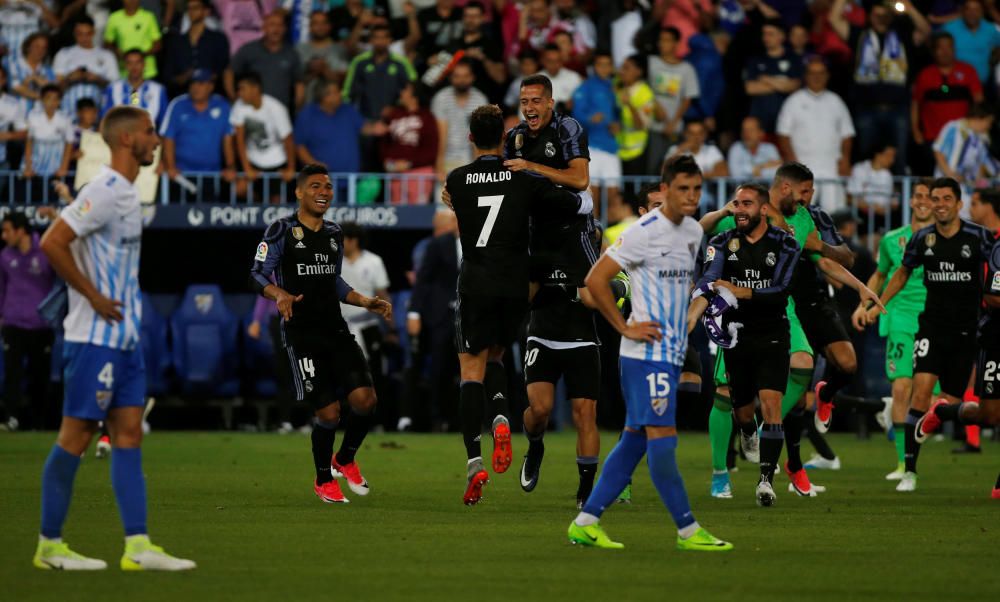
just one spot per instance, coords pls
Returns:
(952, 252)
(754, 263)
(305, 253)
(493, 205)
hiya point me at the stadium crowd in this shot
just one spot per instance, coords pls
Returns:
(859, 90)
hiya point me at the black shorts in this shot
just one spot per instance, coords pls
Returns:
(947, 353)
(580, 366)
(692, 360)
(565, 255)
(988, 374)
(481, 322)
(821, 323)
(757, 362)
(326, 368)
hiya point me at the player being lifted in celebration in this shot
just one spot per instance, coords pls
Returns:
(952, 252)
(305, 253)
(900, 326)
(659, 253)
(94, 246)
(747, 283)
(493, 205)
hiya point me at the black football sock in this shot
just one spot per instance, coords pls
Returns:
(818, 440)
(912, 447)
(772, 436)
(793, 438)
(355, 432)
(472, 399)
(949, 412)
(997, 486)
(587, 467)
(748, 428)
(836, 379)
(323, 436)
(536, 441)
(496, 390)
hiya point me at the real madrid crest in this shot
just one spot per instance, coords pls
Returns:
(518, 141)
(333, 245)
(550, 150)
(734, 245)
(298, 233)
(966, 252)
(770, 260)
(931, 239)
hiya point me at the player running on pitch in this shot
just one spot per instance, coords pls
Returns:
(659, 253)
(305, 252)
(952, 252)
(94, 246)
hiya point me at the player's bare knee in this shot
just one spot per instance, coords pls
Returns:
(584, 413)
(801, 360)
(75, 435)
(329, 414)
(127, 437)
(363, 401)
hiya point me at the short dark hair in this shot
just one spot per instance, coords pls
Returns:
(250, 77)
(763, 195)
(883, 145)
(642, 198)
(602, 52)
(775, 22)
(946, 182)
(538, 79)
(925, 182)
(639, 62)
(474, 4)
(83, 20)
(86, 103)
(941, 35)
(679, 164)
(990, 196)
(380, 27)
(133, 51)
(28, 41)
(672, 31)
(18, 220)
(980, 110)
(486, 127)
(49, 88)
(794, 172)
(356, 232)
(312, 169)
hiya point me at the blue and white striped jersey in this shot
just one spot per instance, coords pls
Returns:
(95, 60)
(12, 119)
(107, 219)
(18, 20)
(49, 137)
(19, 70)
(659, 256)
(150, 95)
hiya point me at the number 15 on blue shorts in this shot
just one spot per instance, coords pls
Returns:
(650, 390)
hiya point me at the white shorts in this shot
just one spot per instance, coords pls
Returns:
(604, 166)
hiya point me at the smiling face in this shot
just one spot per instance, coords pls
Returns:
(749, 210)
(315, 195)
(945, 204)
(920, 203)
(536, 106)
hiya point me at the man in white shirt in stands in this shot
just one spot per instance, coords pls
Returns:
(263, 136)
(135, 90)
(870, 187)
(815, 128)
(564, 81)
(708, 157)
(84, 70)
(751, 157)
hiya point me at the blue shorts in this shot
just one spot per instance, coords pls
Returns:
(97, 379)
(650, 390)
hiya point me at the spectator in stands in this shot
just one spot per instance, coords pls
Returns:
(136, 90)
(25, 279)
(13, 124)
(452, 107)
(636, 100)
(440, 26)
(870, 188)
(133, 27)
(483, 51)
(884, 52)
(770, 78)
(975, 38)
(264, 140)
(49, 145)
(322, 58)
(344, 18)
(624, 30)
(84, 69)
(200, 47)
(675, 85)
(243, 20)
(751, 157)
(564, 81)
(28, 69)
(580, 27)
(563, 40)
(537, 27)
(815, 128)
(21, 18)
(706, 60)
(688, 16)
(275, 61)
(375, 78)
(298, 15)
(410, 146)
(87, 120)
(962, 150)
(798, 41)
(708, 156)
(197, 135)
(527, 64)
(942, 92)
(328, 131)
(595, 106)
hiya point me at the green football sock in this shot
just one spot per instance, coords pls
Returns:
(720, 427)
(900, 433)
(798, 382)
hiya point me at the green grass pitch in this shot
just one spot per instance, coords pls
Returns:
(243, 507)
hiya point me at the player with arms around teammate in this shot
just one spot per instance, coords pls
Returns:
(748, 280)
(659, 253)
(305, 253)
(94, 246)
(493, 205)
(900, 326)
(952, 252)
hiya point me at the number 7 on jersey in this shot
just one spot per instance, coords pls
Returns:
(493, 202)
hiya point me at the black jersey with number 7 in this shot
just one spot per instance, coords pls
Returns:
(493, 205)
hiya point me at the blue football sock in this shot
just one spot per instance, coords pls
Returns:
(661, 455)
(57, 490)
(617, 472)
(130, 488)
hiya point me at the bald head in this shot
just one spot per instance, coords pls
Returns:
(121, 120)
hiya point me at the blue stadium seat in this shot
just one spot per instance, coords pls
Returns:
(258, 361)
(204, 334)
(155, 350)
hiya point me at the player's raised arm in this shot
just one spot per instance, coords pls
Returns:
(831, 243)
(710, 221)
